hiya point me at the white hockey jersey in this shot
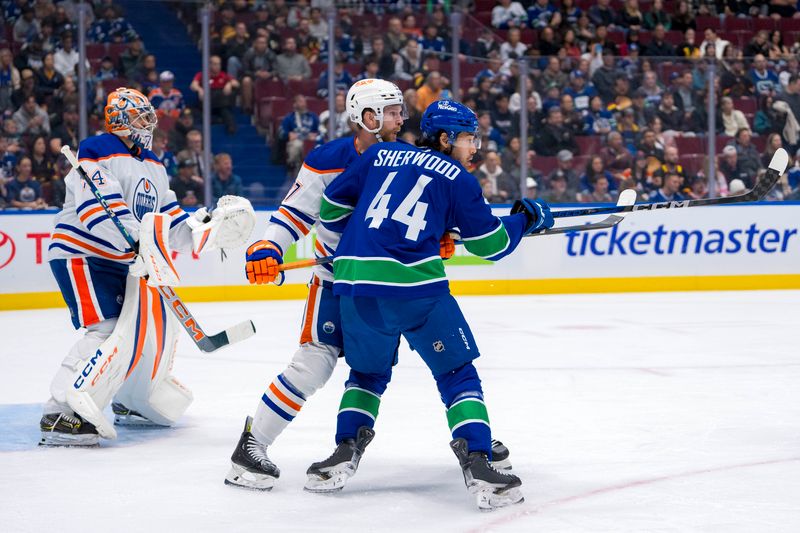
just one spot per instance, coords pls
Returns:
(299, 211)
(132, 187)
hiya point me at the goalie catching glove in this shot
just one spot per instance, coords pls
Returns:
(537, 212)
(263, 259)
(229, 225)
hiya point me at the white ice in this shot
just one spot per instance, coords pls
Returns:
(639, 412)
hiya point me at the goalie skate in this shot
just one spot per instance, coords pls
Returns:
(61, 429)
(331, 474)
(492, 489)
(250, 466)
(130, 418)
(500, 456)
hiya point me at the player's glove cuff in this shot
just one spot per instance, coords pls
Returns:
(537, 212)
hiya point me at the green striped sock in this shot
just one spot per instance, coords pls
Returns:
(467, 411)
(360, 401)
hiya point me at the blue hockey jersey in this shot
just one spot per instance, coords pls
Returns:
(393, 205)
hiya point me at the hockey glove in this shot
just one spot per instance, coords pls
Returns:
(263, 258)
(538, 213)
(447, 244)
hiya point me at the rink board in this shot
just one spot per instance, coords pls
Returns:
(715, 248)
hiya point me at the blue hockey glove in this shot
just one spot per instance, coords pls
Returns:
(263, 258)
(538, 213)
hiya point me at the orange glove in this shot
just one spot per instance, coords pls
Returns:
(263, 259)
(447, 245)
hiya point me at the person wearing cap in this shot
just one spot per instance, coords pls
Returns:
(559, 190)
(177, 135)
(564, 168)
(580, 91)
(730, 166)
(531, 188)
(166, 99)
(187, 185)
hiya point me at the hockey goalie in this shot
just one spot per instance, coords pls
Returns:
(126, 354)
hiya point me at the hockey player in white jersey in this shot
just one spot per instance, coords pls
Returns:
(103, 283)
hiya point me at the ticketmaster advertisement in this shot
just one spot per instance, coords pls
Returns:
(725, 247)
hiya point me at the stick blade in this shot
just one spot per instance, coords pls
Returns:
(780, 160)
(626, 198)
(241, 331)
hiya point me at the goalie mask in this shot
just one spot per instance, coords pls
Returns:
(129, 114)
(374, 95)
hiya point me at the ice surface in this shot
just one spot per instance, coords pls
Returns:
(641, 412)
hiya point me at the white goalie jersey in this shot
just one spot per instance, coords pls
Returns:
(132, 187)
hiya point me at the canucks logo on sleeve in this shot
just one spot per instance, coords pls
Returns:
(145, 198)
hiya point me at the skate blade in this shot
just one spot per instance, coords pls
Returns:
(329, 482)
(133, 421)
(82, 403)
(62, 440)
(244, 479)
(489, 498)
(505, 464)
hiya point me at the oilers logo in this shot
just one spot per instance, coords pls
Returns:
(145, 198)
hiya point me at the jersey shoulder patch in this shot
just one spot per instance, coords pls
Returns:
(332, 157)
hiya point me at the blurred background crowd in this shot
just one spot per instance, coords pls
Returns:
(576, 100)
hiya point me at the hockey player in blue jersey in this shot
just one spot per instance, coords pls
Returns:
(393, 204)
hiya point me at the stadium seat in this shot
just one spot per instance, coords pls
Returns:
(704, 22)
(787, 25)
(546, 164)
(690, 145)
(764, 24)
(166, 123)
(317, 105)
(588, 144)
(693, 163)
(306, 87)
(267, 88)
(738, 24)
(746, 105)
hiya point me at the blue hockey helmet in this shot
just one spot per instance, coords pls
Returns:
(448, 116)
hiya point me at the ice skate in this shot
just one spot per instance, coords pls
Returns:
(130, 418)
(500, 456)
(492, 489)
(62, 429)
(250, 466)
(331, 474)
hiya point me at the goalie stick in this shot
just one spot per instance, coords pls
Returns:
(206, 343)
(626, 199)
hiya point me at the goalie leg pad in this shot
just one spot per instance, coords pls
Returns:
(310, 368)
(150, 389)
(155, 256)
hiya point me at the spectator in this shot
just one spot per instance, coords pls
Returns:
(66, 57)
(688, 48)
(616, 158)
(628, 127)
(554, 136)
(165, 156)
(486, 44)
(341, 80)
(409, 61)
(410, 27)
(166, 99)
(24, 192)
(698, 188)
(42, 167)
(548, 45)
(341, 119)
(508, 14)
(395, 38)
(502, 185)
(298, 126)
(222, 92)
(111, 28)
(651, 149)
(747, 155)
(774, 142)
(345, 48)
(732, 119)
(10, 80)
(759, 45)
(177, 136)
(67, 131)
(558, 191)
(531, 188)
(32, 119)
(713, 41)
(671, 165)
(565, 170)
(598, 120)
(187, 185)
(382, 57)
(767, 119)
(513, 48)
(431, 43)
(48, 79)
(289, 65)
(730, 166)
(307, 44)
(502, 118)
(8, 158)
(131, 58)
(735, 81)
(580, 91)
(491, 139)
(764, 79)
(651, 89)
(552, 75)
(573, 119)
(317, 25)
(631, 17)
(224, 181)
(671, 117)
(658, 46)
(683, 18)
(194, 152)
(603, 78)
(601, 14)
(669, 190)
(777, 49)
(430, 91)
(257, 64)
(27, 27)
(656, 15)
(543, 14)
(598, 193)
(235, 48)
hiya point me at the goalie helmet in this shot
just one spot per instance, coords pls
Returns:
(129, 114)
(375, 95)
(448, 116)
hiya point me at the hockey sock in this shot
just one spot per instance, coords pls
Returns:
(279, 405)
(467, 416)
(360, 403)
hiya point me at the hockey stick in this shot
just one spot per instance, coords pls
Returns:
(777, 166)
(626, 198)
(206, 343)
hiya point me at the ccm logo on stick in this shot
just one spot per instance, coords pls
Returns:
(182, 313)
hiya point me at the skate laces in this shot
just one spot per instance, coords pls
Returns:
(68, 419)
(257, 451)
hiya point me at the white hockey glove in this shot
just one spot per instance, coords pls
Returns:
(229, 225)
(155, 256)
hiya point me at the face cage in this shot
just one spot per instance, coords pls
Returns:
(142, 127)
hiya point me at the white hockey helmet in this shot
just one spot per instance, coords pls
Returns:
(373, 94)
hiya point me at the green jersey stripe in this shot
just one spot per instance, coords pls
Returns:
(388, 272)
(489, 244)
(330, 211)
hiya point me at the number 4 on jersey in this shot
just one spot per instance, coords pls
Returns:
(410, 212)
